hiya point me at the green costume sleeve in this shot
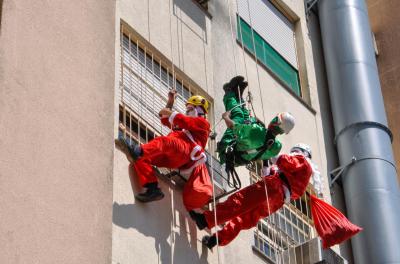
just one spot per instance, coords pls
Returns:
(273, 151)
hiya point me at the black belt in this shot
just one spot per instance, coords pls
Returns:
(285, 180)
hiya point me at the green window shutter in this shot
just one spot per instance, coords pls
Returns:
(268, 56)
(246, 37)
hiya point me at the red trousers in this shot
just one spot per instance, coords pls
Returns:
(245, 208)
(173, 153)
(166, 152)
(198, 189)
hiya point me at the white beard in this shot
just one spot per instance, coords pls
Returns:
(192, 112)
(195, 112)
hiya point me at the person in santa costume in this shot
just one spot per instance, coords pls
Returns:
(182, 148)
(246, 138)
(285, 181)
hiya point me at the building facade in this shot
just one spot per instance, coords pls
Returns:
(75, 76)
(196, 47)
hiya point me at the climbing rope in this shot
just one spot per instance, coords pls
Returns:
(122, 83)
(264, 120)
(269, 219)
(249, 94)
(168, 83)
(213, 134)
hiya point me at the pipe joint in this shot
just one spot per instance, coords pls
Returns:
(365, 124)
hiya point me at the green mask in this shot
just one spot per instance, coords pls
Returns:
(274, 126)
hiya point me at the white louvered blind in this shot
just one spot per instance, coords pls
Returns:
(272, 26)
(146, 84)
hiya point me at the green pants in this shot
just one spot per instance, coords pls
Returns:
(238, 115)
(247, 134)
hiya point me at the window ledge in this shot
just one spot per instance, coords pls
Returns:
(287, 88)
(203, 9)
(260, 254)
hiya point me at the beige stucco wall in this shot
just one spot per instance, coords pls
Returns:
(190, 27)
(269, 94)
(56, 123)
(203, 49)
(160, 232)
(385, 24)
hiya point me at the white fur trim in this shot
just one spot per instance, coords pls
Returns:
(187, 172)
(266, 170)
(172, 117)
(200, 110)
(287, 193)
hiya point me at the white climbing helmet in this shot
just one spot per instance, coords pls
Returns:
(286, 121)
(303, 148)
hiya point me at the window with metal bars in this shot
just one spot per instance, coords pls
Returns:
(132, 128)
(289, 226)
(145, 81)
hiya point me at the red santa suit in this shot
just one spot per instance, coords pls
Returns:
(245, 208)
(181, 149)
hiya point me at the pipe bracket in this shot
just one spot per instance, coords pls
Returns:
(335, 174)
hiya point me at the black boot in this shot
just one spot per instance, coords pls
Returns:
(131, 150)
(199, 219)
(233, 83)
(242, 86)
(226, 87)
(209, 241)
(153, 193)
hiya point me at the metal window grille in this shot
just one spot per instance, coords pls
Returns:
(145, 81)
(288, 227)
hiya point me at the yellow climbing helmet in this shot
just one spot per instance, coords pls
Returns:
(198, 100)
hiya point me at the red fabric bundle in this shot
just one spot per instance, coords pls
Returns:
(198, 189)
(298, 172)
(332, 226)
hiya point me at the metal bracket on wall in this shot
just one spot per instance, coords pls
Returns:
(309, 4)
(336, 173)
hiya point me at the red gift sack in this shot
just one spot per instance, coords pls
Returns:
(332, 226)
(198, 189)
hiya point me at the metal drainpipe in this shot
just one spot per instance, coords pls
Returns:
(370, 183)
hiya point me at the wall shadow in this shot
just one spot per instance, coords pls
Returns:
(196, 14)
(155, 220)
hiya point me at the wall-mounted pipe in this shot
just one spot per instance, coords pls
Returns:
(370, 185)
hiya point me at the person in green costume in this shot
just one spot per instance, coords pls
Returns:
(246, 138)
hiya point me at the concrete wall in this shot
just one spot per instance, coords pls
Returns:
(385, 24)
(269, 94)
(59, 74)
(160, 232)
(190, 27)
(56, 122)
(204, 49)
